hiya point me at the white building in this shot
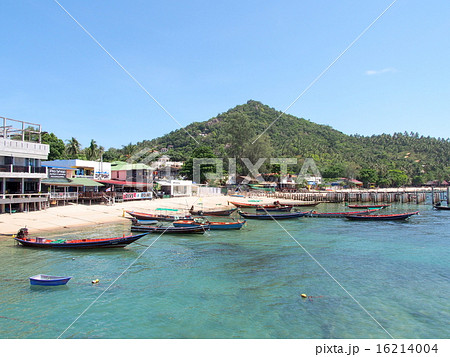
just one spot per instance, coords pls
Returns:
(21, 152)
(94, 170)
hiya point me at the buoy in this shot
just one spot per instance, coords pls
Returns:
(304, 296)
(96, 281)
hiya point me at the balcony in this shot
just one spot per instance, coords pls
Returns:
(17, 171)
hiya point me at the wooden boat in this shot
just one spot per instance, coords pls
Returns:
(443, 208)
(210, 225)
(117, 242)
(381, 217)
(297, 204)
(226, 212)
(368, 206)
(49, 280)
(273, 208)
(315, 214)
(157, 217)
(272, 216)
(244, 204)
(169, 229)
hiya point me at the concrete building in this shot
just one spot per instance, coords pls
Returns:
(95, 170)
(21, 172)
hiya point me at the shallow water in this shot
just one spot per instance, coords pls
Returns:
(240, 284)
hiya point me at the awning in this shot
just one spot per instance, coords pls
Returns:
(124, 183)
(74, 182)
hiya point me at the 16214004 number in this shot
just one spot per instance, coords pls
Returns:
(402, 348)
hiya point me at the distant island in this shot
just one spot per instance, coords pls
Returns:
(386, 160)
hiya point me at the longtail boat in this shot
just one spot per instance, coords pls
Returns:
(226, 212)
(443, 208)
(272, 216)
(315, 214)
(157, 217)
(49, 280)
(381, 217)
(368, 206)
(169, 229)
(297, 204)
(245, 205)
(211, 225)
(117, 242)
(273, 208)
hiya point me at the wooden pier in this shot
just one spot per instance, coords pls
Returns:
(372, 196)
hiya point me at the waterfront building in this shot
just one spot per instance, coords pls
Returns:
(21, 170)
(94, 170)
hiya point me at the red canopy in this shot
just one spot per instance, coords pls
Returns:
(124, 183)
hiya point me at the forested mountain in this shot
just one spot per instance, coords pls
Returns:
(401, 158)
(386, 160)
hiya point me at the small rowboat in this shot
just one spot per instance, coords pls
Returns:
(157, 217)
(169, 229)
(49, 280)
(272, 216)
(273, 208)
(297, 204)
(335, 214)
(210, 225)
(381, 217)
(117, 242)
(368, 206)
(226, 212)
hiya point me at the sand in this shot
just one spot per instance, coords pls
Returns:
(73, 215)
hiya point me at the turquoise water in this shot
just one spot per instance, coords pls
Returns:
(240, 284)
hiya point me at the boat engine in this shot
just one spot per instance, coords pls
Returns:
(23, 233)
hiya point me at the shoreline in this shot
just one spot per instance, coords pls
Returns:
(79, 215)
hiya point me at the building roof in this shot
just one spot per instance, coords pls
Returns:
(120, 166)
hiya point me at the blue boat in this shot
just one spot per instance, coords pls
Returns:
(49, 280)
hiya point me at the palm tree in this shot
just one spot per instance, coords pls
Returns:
(73, 148)
(92, 151)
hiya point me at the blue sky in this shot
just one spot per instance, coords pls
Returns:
(200, 58)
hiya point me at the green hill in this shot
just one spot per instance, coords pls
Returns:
(401, 158)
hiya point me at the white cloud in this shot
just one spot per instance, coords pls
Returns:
(372, 72)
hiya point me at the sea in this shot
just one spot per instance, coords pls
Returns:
(363, 280)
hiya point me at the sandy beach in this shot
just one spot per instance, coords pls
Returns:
(74, 215)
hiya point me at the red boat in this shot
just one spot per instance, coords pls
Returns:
(381, 217)
(245, 205)
(368, 206)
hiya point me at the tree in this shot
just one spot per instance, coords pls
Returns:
(93, 151)
(201, 152)
(367, 176)
(57, 147)
(397, 178)
(73, 148)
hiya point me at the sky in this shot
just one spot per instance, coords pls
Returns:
(200, 58)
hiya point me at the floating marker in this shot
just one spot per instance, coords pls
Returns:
(96, 281)
(304, 296)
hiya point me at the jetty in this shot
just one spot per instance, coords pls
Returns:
(388, 195)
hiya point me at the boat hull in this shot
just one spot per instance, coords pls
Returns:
(211, 225)
(221, 213)
(79, 243)
(368, 206)
(273, 209)
(157, 217)
(48, 280)
(272, 216)
(386, 217)
(170, 230)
